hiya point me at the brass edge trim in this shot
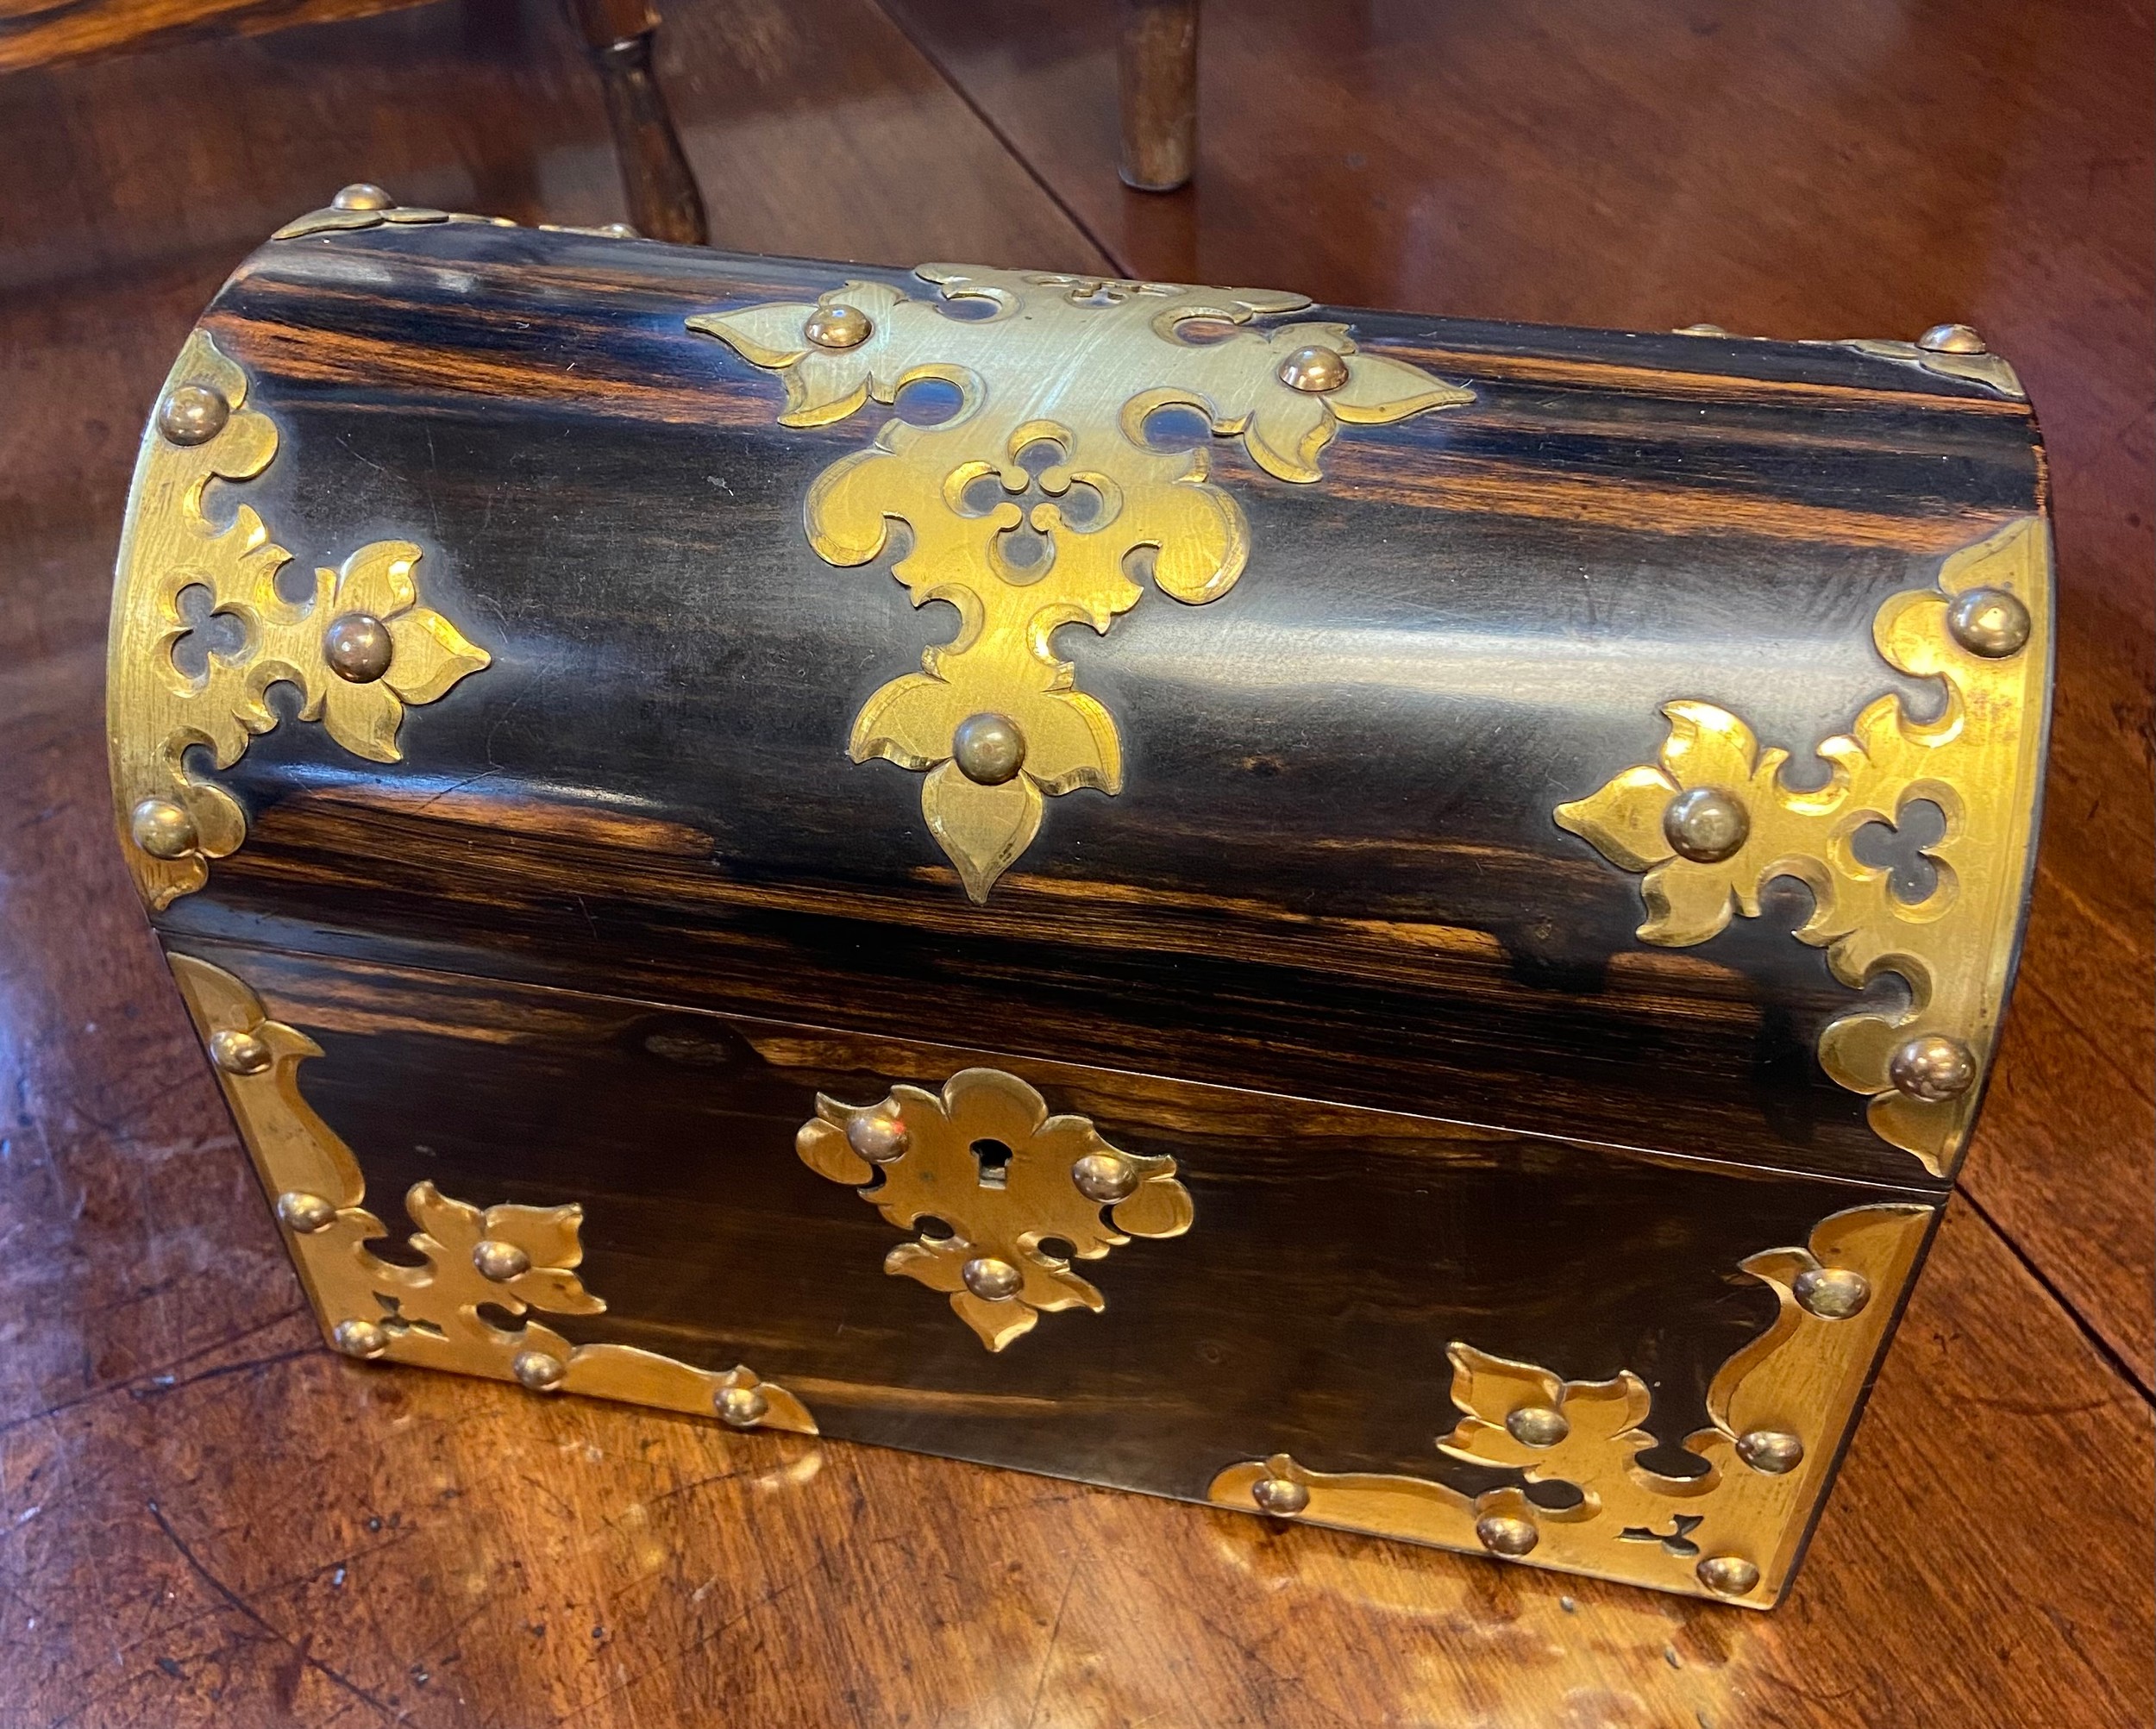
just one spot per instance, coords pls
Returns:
(916, 1153)
(1710, 823)
(994, 720)
(359, 647)
(1780, 1408)
(513, 1258)
(1992, 372)
(1973, 366)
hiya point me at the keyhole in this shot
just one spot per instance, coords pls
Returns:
(995, 1162)
(1898, 849)
(208, 633)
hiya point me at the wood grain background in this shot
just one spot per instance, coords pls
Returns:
(205, 1519)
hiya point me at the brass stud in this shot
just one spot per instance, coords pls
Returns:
(1283, 1497)
(163, 829)
(878, 1136)
(193, 414)
(1104, 1177)
(1699, 330)
(1990, 622)
(539, 1370)
(1538, 1425)
(988, 748)
(1932, 1068)
(1727, 1576)
(358, 648)
(1706, 824)
(304, 1212)
(362, 195)
(990, 1280)
(358, 1338)
(1833, 1293)
(1501, 1534)
(1314, 370)
(837, 326)
(1771, 1451)
(619, 231)
(1952, 339)
(499, 1261)
(740, 1407)
(239, 1053)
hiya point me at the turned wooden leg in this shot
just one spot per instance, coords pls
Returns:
(663, 202)
(1157, 68)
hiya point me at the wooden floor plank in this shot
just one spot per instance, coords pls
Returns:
(1789, 169)
(207, 1519)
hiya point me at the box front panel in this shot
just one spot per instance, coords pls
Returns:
(1638, 1366)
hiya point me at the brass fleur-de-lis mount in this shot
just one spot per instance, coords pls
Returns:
(986, 1159)
(361, 648)
(1713, 820)
(1077, 364)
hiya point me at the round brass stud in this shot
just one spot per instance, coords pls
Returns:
(1104, 1177)
(1706, 824)
(1932, 1068)
(304, 1212)
(1501, 1534)
(619, 231)
(358, 648)
(499, 1261)
(1538, 1425)
(1314, 370)
(1283, 1497)
(362, 195)
(1727, 1576)
(539, 1370)
(878, 1136)
(740, 1407)
(162, 829)
(1990, 622)
(239, 1053)
(1952, 339)
(358, 1338)
(193, 414)
(837, 326)
(1833, 1293)
(988, 748)
(990, 1280)
(1771, 1451)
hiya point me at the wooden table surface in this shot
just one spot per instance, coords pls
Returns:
(207, 1518)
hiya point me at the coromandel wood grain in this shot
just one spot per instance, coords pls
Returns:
(209, 1519)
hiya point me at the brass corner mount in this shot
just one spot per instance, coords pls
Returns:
(520, 1260)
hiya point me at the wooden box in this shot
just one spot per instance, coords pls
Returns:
(1384, 921)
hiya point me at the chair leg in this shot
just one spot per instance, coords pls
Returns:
(1157, 62)
(663, 200)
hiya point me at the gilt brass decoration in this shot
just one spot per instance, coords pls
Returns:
(364, 206)
(1779, 1408)
(1076, 365)
(514, 1260)
(359, 649)
(986, 1159)
(1985, 630)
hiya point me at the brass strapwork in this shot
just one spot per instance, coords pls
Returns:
(1712, 821)
(1778, 1409)
(985, 1157)
(358, 648)
(995, 719)
(518, 1261)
